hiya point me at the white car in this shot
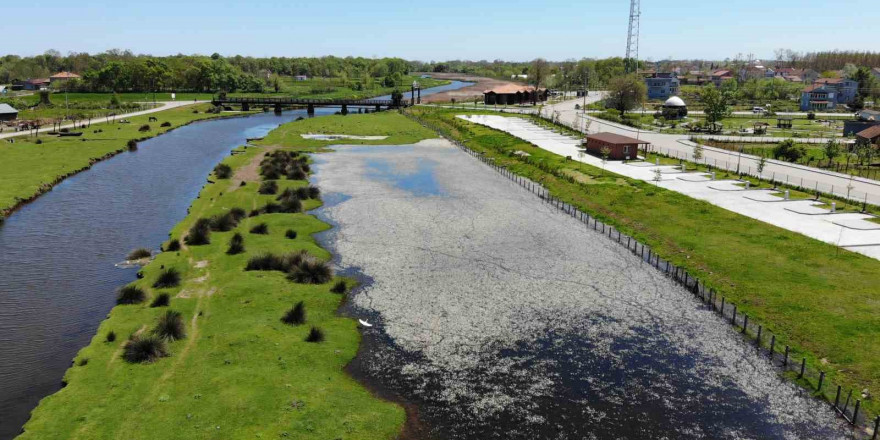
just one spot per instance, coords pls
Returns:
(757, 110)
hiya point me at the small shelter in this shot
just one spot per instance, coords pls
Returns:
(674, 108)
(784, 122)
(760, 127)
(510, 94)
(618, 147)
(7, 113)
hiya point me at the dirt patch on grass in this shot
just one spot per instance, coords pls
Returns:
(251, 171)
(468, 93)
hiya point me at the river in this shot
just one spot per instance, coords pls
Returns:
(58, 254)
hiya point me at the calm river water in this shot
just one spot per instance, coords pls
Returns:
(57, 254)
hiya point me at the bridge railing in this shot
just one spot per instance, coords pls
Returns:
(300, 101)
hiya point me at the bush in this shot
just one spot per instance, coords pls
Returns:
(297, 174)
(173, 245)
(315, 335)
(254, 213)
(237, 213)
(262, 229)
(111, 336)
(236, 245)
(789, 151)
(162, 300)
(170, 326)
(168, 278)
(310, 271)
(130, 295)
(302, 193)
(132, 145)
(200, 233)
(268, 187)
(296, 315)
(223, 171)
(811, 116)
(165, 124)
(144, 349)
(145, 127)
(314, 192)
(290, 205)
(291, 234)
(339, 287)
(224, 222)
(282, 263)
(139, 254)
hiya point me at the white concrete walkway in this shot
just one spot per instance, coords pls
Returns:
(164, 105)
(848, 230)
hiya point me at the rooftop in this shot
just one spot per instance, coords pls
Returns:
(64, 75)
(615, 139)
(869, 133)
(510, 89)
(6, 109)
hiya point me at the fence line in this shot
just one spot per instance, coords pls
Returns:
(782, 357)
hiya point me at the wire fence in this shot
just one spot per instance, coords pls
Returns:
(847, 402)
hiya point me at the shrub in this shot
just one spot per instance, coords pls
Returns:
(291, 234)
(291, 205)
(173, 245)
(271, 208)
(297, 174)
(168, 278)
(339, 287)
(38, 141)
(83, 362)
(268, 187)
(811, 115)
(139, 253)
(200, 233)
(296, 315)
(236, 245)
(282, 263)
(254, 213)
(131, 295)
(223, 171)
(132, 145)
(261, 229)
(111, 336)
(237, 213)
(162, 300)
(789, 151)
(165, 124)
(286, 194)
(144, 349)
(170, 326)
(145, 127)
(302, 193)
(310, 271)
(315, 335)
(224, 222)
(314, 192)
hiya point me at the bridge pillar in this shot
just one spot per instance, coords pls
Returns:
(277, 109)
(344, 109)
(378, 108)
(311, 110)
(420, 96)
(245, 107)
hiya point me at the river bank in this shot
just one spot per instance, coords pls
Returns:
(240, 371)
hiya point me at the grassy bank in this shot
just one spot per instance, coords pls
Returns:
(822, 301)
(240, 372)
(32, 165)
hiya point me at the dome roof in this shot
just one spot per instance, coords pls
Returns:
(674, 101)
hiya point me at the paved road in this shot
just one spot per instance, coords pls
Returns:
(165, 105)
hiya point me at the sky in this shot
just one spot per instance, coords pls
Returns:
(512, 30)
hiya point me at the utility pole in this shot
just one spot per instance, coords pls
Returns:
(632, 37)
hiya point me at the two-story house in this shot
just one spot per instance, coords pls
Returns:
(662, 85)
(826, 93)
(719, 76)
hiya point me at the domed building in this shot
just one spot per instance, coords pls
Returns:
(674, 108)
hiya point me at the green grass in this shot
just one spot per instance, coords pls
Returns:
(240, 372)
(398, 128)
(27, 167)
(821, 300)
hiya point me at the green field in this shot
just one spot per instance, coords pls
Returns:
(27, 168)
(821, 300)
(240, 372)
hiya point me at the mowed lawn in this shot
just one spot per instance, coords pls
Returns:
(25, 165)
(240, 372)
(821, 300)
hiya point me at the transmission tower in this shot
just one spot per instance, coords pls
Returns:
(632, 38)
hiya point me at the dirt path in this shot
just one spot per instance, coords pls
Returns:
(466, 94)
(251, 171)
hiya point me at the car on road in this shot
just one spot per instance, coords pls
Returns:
(757, 110)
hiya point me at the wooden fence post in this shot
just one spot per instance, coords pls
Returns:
(772, 347)
(803, 368)
(758, 339)
(821, 380)
(785, 361)
(733, 319)
(745, 322)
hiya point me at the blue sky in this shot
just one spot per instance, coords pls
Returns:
(479, 29)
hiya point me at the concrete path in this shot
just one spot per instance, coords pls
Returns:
(164, 105)
(850, 230)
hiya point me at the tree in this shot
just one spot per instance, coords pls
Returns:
(627, 92)
(716, 104)
(605, 152)
(658, 176)
(832, 150)
(698, 152)
(762, 162)
(789, 151)
(865, 152)
(866, 80)
(538, 74)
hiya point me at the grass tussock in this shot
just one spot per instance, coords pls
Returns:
(268, 187)
(224, 222)
(111, 336)
(310, 271)
(291, 234)
(284, 163)
(168, 278)
(170, 326)
(272, 262)
(296, 315)
(145, 127)
(223, 171)
(339, 287)
(165, 124)
(144, 349)
(139, 254)
(236, 245)
(315, 335)
(173, 245)
(130, 295)
(260, 229)
(161, 300)
(132, 145)
(200, 233)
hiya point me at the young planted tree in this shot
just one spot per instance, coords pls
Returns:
(762, 162)
(698, 152)
(831, 150)
(605, 152)
(658, 176)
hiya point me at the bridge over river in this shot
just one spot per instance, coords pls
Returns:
(278, 103)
